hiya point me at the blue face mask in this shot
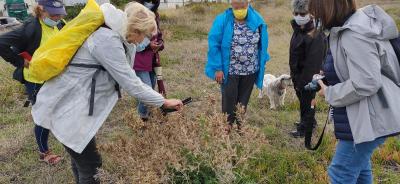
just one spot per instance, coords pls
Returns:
(150, 6)
(50, 22)
(142, 45)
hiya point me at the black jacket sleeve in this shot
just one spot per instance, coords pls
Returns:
(314, 56)
(16, 39)
(297, 53)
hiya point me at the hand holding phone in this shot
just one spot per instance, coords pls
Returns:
(165, 111)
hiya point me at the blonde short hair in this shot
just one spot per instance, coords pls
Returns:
(140, 19)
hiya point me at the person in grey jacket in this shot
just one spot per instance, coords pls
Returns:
(369, 74)
(63, 104)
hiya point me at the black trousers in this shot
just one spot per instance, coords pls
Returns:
(85, 165)
(236, 91)
(307, 113)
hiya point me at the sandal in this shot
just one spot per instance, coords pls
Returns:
(50, 158)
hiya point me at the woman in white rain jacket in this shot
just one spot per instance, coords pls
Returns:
(67, 104)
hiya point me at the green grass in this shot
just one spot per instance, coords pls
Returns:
(190, 144)
(183, 32)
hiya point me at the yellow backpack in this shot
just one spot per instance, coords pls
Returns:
(50, 59)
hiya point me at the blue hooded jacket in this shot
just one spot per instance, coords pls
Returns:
(220, 39)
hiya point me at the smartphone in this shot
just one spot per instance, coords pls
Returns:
(185, 102)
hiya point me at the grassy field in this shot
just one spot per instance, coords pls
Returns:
(190, 147)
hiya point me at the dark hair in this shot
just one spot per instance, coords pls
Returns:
(332, 13)
(38, 11)
(155, 2)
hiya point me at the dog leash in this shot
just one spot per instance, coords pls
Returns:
(308, 135)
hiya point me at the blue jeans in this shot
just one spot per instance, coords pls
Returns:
(352, 163)
(41, 134)
(149, 79)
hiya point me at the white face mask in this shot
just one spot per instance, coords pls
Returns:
(301, 21)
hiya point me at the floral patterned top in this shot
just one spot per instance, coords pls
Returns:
(244, 50)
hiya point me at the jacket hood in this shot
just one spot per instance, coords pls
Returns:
(114, 18)
(371, 21)
(253, 19)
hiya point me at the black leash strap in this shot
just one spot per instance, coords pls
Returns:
(26, 104)
(308, 135)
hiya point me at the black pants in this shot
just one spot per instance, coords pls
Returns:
(236, 91)
(307, 113)
(32, 89)
(85, 165)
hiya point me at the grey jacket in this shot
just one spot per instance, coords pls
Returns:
(361, 53)
(63, 102)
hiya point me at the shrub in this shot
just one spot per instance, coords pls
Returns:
(120, 3)
(196, 171)
(182, 149)
(198, 9)
(73, 11)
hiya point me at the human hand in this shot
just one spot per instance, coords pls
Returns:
(173, 104)
(155, 46)
(219, 77)
(323, 88)
(26, 63)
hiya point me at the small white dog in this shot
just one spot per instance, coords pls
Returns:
(275, 89)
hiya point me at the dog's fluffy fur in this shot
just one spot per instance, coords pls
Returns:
(275, 89)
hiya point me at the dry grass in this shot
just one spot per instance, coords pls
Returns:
(189, 147)
(151, 147)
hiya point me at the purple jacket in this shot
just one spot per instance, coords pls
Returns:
(144, 60)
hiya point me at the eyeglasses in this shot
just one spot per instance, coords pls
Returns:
(301, 14)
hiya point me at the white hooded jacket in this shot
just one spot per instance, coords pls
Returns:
(62, 103)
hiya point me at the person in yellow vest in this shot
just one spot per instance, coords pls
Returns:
(47, 21)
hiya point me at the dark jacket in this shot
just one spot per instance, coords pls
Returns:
(306, 54)
(340, 119)
(145, 60)
(25, 38)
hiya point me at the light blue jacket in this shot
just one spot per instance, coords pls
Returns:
(220, 39)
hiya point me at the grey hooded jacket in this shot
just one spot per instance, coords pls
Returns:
(362, 52)
(62, 103)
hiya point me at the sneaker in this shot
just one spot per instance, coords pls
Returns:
(297, 134)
